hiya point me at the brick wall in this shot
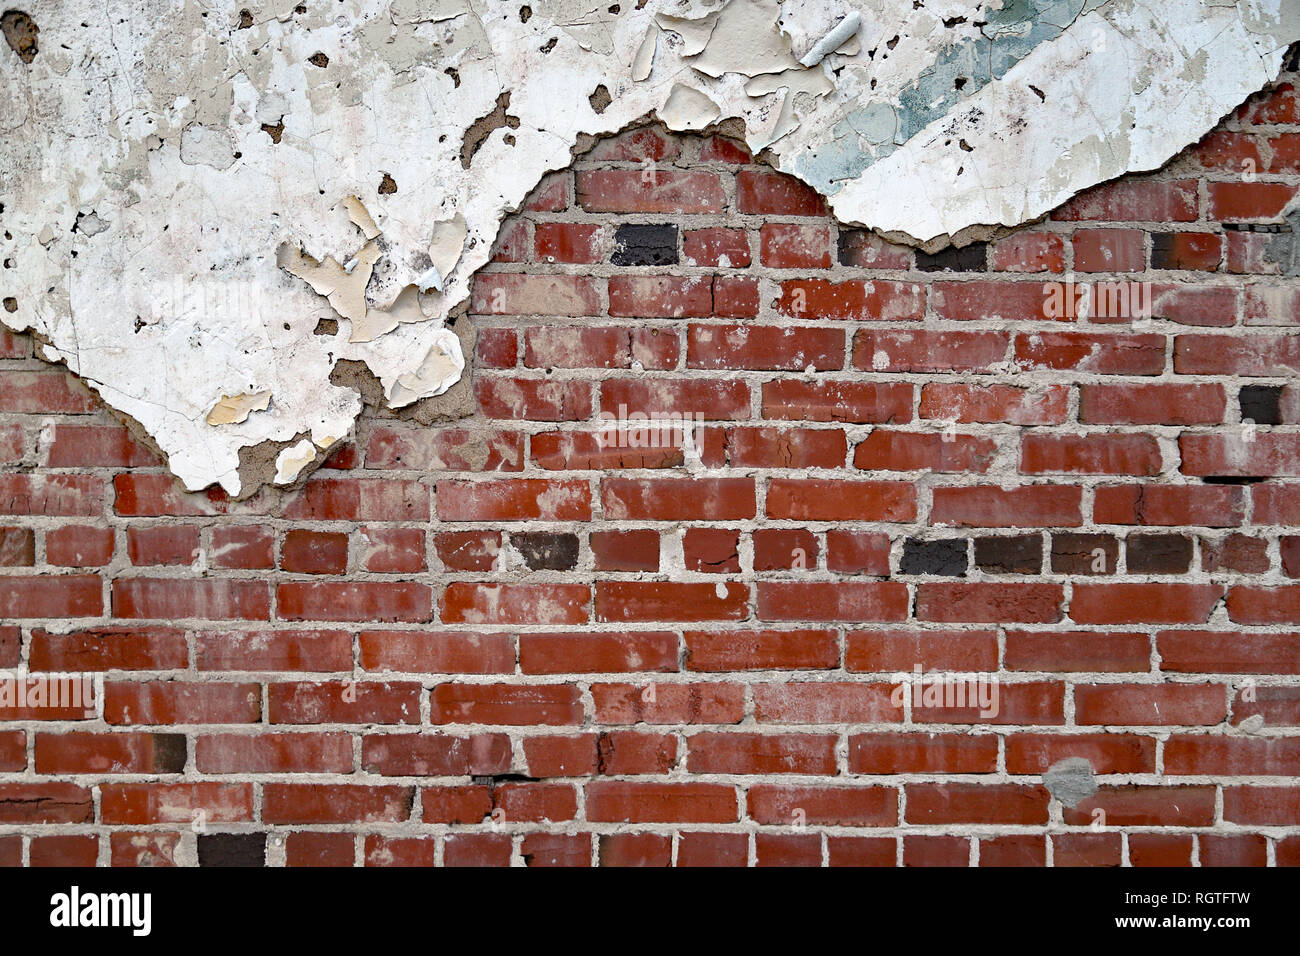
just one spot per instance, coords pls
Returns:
(500, 641)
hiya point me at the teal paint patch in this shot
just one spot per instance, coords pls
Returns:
(1010, 34)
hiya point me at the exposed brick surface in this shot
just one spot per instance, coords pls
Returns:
(505, 639)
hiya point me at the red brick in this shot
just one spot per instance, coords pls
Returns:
(354, 601)
(143, 803)
(334, 803)
(1159, 849)
(47, 596)
(1109, 250)
(506, 704)
(597, 653)
(514, 499)
(635, 849)
(764, 347)
(995, 300)
(371, 702)
(1029, 252)
(890, 450)
(176, 702)
(711, 550)
(450, 652)
(1162, 603)
(1086, 352)
(852, 300)
(928, 351)
(857, 552)
(45, 393)
(650, 190)
(625, 550)
(761, 650)
(1110, 651)
(1134, 200)
(1169, 505)
(65, 851)
(665, 703)
(609, 347)
(890, 753)
(1152, 404)
(109, 648)
(833, 500)
(239, 547)
(676, 499)
(1015, 850)
(466, 603)
(143, 848)
(625, 601)
(994, 403)
(1149, 705)
(445, 449)
(823, 806)
(97, 446)
(631, 802)
(992, 603)
(773, 447)
(162, 545)
(1093, 454)
(786, 245)
(1253, 200)
(40, 494)
(1034, 753)
(568, 242)
(832, 601)
(716, 247)
(988, 506)
(672, 399)
(274, 753)
(1141, 805)
(939, 803)
(895, 651)
(837, 401)
(281, 650)
(1263, 454)
(698, 848)
(768, 193)
(392, 550)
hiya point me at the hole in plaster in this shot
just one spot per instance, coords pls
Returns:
(245, 19)
(550, 44)
(326, 327)
(275, 131)
(20, 33)
(600, 98)
(319, 59)
(484, 127)
(455, 76)
(387, 185)
(525, 14)
(11, 304)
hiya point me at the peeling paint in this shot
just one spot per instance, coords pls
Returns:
(193, 192)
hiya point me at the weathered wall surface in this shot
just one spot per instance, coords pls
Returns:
(208, 209)
(496, 641)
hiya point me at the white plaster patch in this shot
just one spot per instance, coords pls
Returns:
(188, 190)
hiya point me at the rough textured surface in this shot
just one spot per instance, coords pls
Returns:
(189, 189)
(494, 641)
